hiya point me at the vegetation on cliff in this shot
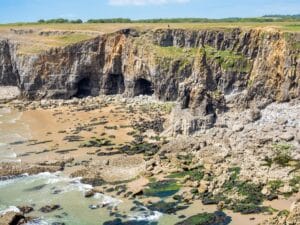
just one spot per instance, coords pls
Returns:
(266, 18)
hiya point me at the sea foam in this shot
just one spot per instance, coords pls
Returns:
(9, 209)
(146, 215)
(107, 200)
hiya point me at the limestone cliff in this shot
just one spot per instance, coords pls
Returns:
(206, 71)
(8, 73)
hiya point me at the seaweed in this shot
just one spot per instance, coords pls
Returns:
(217, 218)
(166, 207)
(162, 189)
(196, 174)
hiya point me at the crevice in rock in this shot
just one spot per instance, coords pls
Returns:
(9, 75)
(143, 87)
(84, 88)
(114, 84)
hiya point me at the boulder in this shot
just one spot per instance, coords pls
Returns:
(49, 208)
(287, 137)
(89, 194)
(25, 209)
(203, 187)
(294, 216)
(254, 115)
(11, 218)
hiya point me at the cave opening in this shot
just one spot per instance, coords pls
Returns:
(114, 84)
(143, 87)
(84, 88)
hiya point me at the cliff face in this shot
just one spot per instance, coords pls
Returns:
(205, 71)
(8, 73)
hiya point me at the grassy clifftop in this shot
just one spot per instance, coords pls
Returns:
(109, 27)
(37, 37)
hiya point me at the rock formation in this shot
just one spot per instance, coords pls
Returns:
(205, 71)
(286, 217)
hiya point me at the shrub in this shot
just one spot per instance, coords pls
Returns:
(282, 154)
(275, 185)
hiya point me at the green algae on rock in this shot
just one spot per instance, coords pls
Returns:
(162, 189)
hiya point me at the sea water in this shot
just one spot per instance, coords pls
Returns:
(11, 130)
(51, 189)
(55, 188)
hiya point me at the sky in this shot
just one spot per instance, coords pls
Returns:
(33, 10)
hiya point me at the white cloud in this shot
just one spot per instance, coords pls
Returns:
(144, 2)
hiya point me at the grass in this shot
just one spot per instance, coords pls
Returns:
(110, 27)
(72, 38)
(164, 56)
(175, 52)
(37, 44)
(34, 43)
(295, 183)
(275, 185)
(229, 60)
(282, 154)
(165, 107)
(295, 27)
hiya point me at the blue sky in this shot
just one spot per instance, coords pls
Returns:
(33, 10)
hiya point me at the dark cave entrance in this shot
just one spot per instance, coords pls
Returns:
(143, 87)
(114, 84)
(84, 88)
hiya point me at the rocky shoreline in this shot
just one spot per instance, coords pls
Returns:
(232, 165)
(168, 119)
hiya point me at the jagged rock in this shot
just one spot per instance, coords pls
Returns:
(238, 128)
(294, 216)
(203, 186)
(89, 194)
(11, 218)
(25, 209)
(298, 137)
(291, 217)
(49, 208)
(254, 115)
(287, 137)
(10, 170)
(200, 81)
(8, 93)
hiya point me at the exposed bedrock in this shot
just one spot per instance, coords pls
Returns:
(205, 71)
(8, 72)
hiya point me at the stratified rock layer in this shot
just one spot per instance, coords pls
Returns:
(201, 69)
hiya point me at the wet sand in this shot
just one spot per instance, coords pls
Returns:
(52, 126)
